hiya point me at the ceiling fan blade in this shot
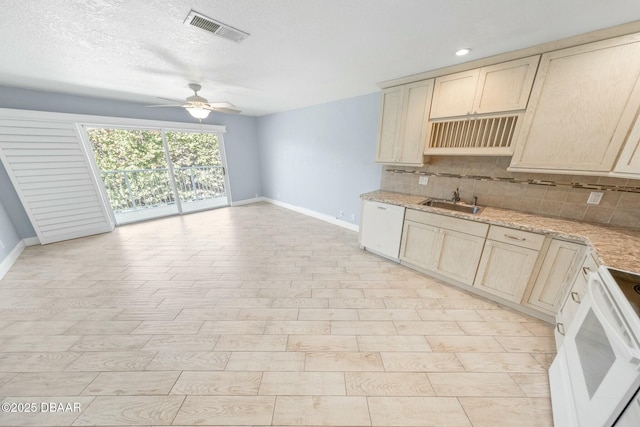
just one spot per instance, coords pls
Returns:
(165, 105)
(177, 101)
(225, 110)
(223, 104)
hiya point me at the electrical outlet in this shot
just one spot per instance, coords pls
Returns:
(423, 180)
(353, 217)
(1, 245)
(341, 214)
(595, 198)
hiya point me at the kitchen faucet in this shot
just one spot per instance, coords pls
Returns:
(455, 197)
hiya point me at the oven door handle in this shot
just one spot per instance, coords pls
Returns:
(632, 354)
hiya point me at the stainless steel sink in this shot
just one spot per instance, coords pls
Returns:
(447, 204)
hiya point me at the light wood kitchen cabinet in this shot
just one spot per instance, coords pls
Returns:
(381, 228)
(629, 161)
(582, 106)
(508, 259)
(420, 244)
(493, 89)
(574, 297)
(403, 122)
(557, 273)
(448, 246)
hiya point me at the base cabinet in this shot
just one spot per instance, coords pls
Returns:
(381, 228)
(525, 270)
(508, 261)
(557, 273)
(459, 255)
(505, 270)
(429, 242)
(420, 243)
(574, 297)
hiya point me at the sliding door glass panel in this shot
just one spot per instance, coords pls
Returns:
(134, 170)
(198, 169)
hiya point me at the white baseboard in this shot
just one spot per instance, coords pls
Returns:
(314, 214)
(31, 241)
(248, 201)
(6, 264)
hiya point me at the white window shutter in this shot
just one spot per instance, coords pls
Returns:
(49, 168)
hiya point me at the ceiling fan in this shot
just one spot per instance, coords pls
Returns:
(199, 107)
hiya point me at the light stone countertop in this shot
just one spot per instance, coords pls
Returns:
(615, 246)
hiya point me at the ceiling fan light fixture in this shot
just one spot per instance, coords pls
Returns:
(198, 113)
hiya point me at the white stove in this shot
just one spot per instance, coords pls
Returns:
(596, 373)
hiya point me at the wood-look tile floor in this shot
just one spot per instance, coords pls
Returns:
(256, 316)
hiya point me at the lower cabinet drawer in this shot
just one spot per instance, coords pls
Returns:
(524, 239)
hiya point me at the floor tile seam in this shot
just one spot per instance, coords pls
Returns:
(83, 410)
(90, 382)
(173, 385)
(504, 374)
(524, 392)
(520, 372)
(464, 410)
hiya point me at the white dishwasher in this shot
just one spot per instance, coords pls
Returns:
(381, 228)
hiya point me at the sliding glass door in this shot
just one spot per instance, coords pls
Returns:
(149, 173)
(198, 170)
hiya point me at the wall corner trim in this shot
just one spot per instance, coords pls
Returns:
(314, 214)
(248, 201)
(6, 264)
(304, 211)
(31, 241)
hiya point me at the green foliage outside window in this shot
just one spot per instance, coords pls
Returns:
(134, 167)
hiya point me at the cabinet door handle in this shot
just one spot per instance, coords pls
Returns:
(382, 207)
(575, 297)
(586, 271)
(509, 236)
(560, 326)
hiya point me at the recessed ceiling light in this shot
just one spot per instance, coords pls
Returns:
(463, 52)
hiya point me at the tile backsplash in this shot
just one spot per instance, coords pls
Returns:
(487, 178)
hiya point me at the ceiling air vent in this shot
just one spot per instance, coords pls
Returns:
(215, 27)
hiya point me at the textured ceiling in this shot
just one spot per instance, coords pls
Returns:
(300, 52)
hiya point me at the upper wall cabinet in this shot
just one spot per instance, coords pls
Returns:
(582, 107)
(403, 123)
(629, 161)
(494, 89)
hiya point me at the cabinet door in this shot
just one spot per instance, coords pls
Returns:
(557, 273)
(629, 161)
(414, 123)
(420, 244)
(582, 106)
(505, 270)
(505, 86)
(381, 228)
(390, 124)
(459, 255)
(453, 94)
(575, 296)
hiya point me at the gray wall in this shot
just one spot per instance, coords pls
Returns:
(241, 142)
(8, 234)
(13, 206)
(322, 157)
